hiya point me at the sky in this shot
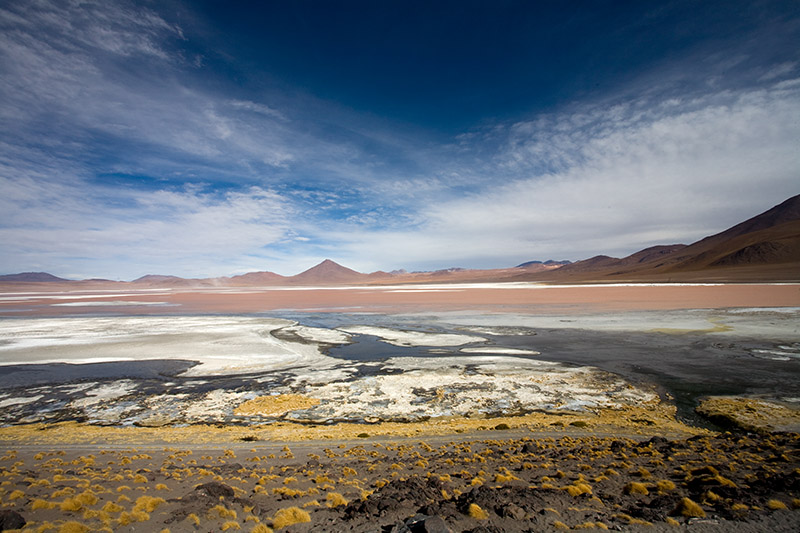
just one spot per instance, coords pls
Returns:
(208, 138)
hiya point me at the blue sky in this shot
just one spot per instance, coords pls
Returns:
(215, 138)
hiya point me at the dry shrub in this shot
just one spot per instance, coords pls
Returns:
(476, 512)
(72, 527)
(71, 505)
(41, 504)
(335, 500)
(689, 509)
(665, 485)
(147, 504)
(776, 505)
(636, 488)
(290, 515)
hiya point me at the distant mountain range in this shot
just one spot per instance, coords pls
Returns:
(763, 248)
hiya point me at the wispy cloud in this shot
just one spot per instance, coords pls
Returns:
(122, 154)
(609, 180)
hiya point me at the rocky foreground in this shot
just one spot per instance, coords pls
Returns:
(722, 482)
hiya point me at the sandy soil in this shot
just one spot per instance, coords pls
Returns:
(487, 481)
(19, 300)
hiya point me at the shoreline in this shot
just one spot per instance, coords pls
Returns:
(531, 298)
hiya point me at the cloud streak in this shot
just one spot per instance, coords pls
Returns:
(598, 180)
(122, 153)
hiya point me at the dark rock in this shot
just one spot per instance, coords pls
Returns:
(656, 442)
(11, 520)
(422, 524)
(511, 510)
(413, 493)
(486, 529)
(432, 524)
(529, 448)
(216, 489)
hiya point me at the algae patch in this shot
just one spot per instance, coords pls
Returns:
(750, 414)
(275, 405)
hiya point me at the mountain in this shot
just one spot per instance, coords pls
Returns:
(30, 277)
(257, 278)
(328, 272)
(549, 262)
(764, 247)
(157, 280)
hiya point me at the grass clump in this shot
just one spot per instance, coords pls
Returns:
(289, 516)
(665, 485)
(636, 488)
(147, 504)
(71, 505)
(474, 510)
(776, 505)
(41, 504)
(578, 488)
(111, 507)
(689, 509)
(335, 500)
(222, 512)
(72, 527)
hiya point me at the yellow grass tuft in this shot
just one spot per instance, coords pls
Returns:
(289, 516)
(665, 485)
(72, 527)
(476, 512)
(560, 525)
(221, 511)
(335, 500)
(504, 478)
(230, 524)
(111, 507)
(577, 488)
(71, 505)
(193, 518)
(636, 488)
(87, 498)
(66, 491)
(776, 505)
(672, 522)
(261, 528)
(38, 503)
(147, 504)
(690, 509)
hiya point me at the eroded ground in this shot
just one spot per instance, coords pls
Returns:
(490, 483)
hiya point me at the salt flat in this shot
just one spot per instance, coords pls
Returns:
(441, 364)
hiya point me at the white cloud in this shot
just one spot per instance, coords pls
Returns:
(612, 181)
(132, 232)
(92, 91)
